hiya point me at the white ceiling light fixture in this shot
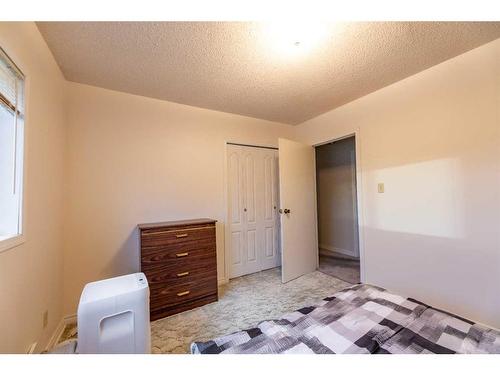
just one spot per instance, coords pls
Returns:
(294, 38)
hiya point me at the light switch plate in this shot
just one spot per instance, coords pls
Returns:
(381, 187)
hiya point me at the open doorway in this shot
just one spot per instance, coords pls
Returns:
(338, 231)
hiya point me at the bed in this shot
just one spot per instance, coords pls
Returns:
(362, 319)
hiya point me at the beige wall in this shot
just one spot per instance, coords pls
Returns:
(434, 140)
(31, 274)
(133, 159)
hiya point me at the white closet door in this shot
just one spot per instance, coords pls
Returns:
(253, 223)
(250, 210)
(270, 256)
(245, 232)
(237, 225)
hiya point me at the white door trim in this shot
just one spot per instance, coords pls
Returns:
(359, 196)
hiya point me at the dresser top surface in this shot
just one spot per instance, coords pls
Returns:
(177, 223)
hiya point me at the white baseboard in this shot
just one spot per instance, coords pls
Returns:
(32, 348)
(336, 250)
(56, 335)
(54, 339)
(70, 319)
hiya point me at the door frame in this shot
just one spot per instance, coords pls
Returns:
(359, 197)
(227, 254)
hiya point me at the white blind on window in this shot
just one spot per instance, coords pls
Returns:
(11, 85)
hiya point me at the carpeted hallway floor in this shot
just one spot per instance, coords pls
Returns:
(341, 268)
(243, 303)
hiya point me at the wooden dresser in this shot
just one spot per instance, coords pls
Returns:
(179, 261)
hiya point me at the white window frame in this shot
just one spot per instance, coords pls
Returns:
(20, 238)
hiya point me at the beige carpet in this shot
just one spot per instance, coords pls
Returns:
(243, 303)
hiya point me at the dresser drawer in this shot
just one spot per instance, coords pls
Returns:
(168, 294)
(178, 256)
(168, 237)
(184, 272)
(179, 248)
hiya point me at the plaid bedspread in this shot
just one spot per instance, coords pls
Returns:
(360, 319)
(438, 332)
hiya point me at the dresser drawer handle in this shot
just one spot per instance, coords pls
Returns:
(182, 274)
(180, 255)
(183, 293)
(181, 235)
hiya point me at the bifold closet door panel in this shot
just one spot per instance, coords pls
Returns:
(270, 256)
(237, 240)
(235, 211)
(251, 187)
(245, 233)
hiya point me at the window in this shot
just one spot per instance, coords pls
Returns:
(11, 152)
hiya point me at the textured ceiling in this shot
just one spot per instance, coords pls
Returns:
(232, 67)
